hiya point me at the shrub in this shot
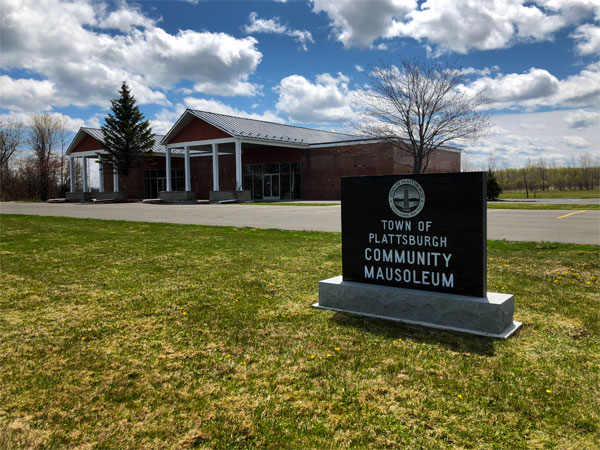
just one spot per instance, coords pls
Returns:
(493, 187)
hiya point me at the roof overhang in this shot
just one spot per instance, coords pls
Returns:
(87, 153)
(185, 119)
(81, 134)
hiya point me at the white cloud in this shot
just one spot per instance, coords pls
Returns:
(481, 72)
(258, 25)
(125, 19)
(450, 25)
(86, 66)
(582, 89)
(575, 141)
(573, 11)
(360, 22)
(588, 39)
(583, 119)
(327, 100)
(463, 26)
(516, 89)
(359, 68)
(27, 94)
(166, 118)
(514, 138)
(71, 124)
(536, 88)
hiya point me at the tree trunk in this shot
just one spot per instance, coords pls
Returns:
(417, 164)
(124, 186)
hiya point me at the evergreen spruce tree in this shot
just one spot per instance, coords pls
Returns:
(127, 137)
(493, 187)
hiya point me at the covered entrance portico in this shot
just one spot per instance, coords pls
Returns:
(85, 194)
(196, 136)
(86, 146)
(212, 148)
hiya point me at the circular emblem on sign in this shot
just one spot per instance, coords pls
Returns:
(406, 198)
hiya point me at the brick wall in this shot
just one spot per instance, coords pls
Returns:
(322, 168)
(87, 143)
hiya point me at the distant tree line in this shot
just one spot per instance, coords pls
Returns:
(542, 175)
(33, 160)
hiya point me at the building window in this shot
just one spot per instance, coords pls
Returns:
(279, 181)
(155, 180)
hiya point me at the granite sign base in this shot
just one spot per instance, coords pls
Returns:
(491, 316)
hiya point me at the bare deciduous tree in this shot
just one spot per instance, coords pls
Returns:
(44, 136)
(419, 107)
(11, 137)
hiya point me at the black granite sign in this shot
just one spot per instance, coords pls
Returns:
(424, 232)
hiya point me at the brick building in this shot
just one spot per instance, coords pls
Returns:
(208, 155)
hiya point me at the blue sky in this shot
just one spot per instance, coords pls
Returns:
(302, 62)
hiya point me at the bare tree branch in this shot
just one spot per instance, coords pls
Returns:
(44, 136)
(11, 136)
(419, 108)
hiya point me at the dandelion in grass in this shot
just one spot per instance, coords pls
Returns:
(312, 356)
(460, 396)
(184, 313)
(227, 356)
(548, 391)
(83, 338)
(337, 349)
(588, 283)
(244, 363)
(328, 355)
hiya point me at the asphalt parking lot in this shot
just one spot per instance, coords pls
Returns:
(573, 226)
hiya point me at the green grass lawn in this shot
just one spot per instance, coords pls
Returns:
(567, 206)
(136, 335)
(575, 193)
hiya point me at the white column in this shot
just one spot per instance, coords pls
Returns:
(238, 164)
(84, 174)
(72, 173)
(188, 181)
(101, 170)
(115, 176)
(215, 158)
(168, 164)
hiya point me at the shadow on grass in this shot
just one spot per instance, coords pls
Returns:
(455, 341)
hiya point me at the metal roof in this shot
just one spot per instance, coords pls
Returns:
(271, 131)
(96, 133)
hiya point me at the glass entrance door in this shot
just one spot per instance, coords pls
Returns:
(271, 187)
